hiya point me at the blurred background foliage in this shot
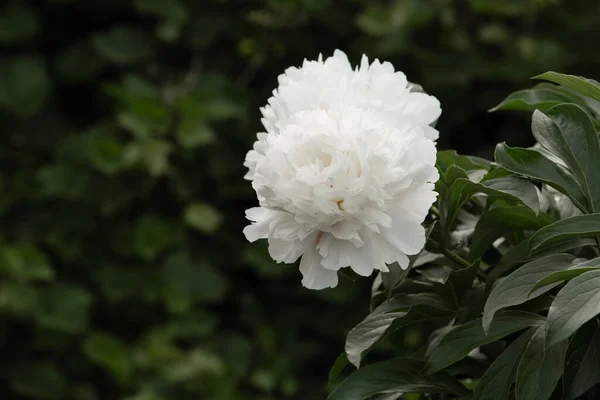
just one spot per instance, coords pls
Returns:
(123, 270)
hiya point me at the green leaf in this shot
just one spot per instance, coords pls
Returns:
(204, 217)
(495, 384)
(155, 154)
(25, 263)
(18, 299)
(447, 158)
(18, 22)
(532, 164)
(396, 396)
(540, 368)
(582, 368)
(515, 189)
(460, 283)
(574, 305)
(511, 189)
(395, 376)
(520, 254)
(465, 338)
(105, 154)
(517, 287)
(365, 334)
(64, 308)
(63, 181)
(25, 85)
(39, 381)
(394, 276)
(573, 272)
(499, 221)
(118, 282)
(197, 364)
(108, 352)
(152, 236)
(144, 110)
(507, 8)
(567, 131)
(123, 45)
(581, 226)
(338, 366)
(194, 278)
(172, 10)
(541, 97)
(194, 132)
(587, 87)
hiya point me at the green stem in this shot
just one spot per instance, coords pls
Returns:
(456, 258)
(459, 260)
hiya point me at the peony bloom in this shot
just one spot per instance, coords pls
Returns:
(345, 173)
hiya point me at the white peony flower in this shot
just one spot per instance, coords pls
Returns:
(344, 174)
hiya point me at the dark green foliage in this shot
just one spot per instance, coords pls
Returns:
(123, 269)
(521, 313)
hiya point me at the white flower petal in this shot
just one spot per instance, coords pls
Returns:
(410, 239)
(286, 251)
(345, 171)
(261, 218)
(314, 275)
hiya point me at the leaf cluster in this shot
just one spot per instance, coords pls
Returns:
(510, 284)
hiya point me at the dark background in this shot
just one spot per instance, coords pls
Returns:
(124, 273)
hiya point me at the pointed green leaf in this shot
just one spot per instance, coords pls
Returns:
(495, 384)
(540, 367)
(447, 158)
(520, 254)
(567, 131)
(510, 189)
(541, 97)
(364, 335)
(534, 165)
(394, 276)
(574, 305)
(338, 366)
(565, 275)
(515, 188)
(516, 288)
(499, 221)
(582, 85)
(581, 226)
(465, 338)
(395, 376)
(582, 369)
